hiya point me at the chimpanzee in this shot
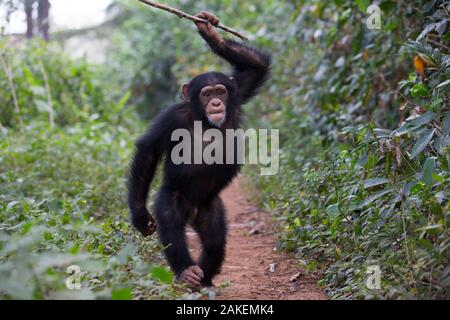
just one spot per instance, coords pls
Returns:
(190, 192)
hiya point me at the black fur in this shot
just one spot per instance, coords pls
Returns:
(190, 193)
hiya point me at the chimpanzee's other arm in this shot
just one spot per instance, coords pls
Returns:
(142, 171)
(149, 150)
(251, 66)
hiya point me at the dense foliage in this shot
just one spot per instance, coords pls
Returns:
(365, 166)
(364, 125)
(62, 189)
(42, 82)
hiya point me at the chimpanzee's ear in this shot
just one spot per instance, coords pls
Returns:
(185, 92)
(233, 80)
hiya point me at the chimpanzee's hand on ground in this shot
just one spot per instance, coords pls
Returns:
(207, 28)
(144, 222)
(191, 276)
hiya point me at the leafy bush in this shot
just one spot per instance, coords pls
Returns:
(62, 203)
(39, 81)
(355, 194)
(62, 184)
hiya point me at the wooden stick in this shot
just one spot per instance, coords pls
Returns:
(182, 14)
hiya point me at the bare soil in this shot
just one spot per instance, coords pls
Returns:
(253, 268)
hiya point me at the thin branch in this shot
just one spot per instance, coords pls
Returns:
(9, 77)
(182, 14)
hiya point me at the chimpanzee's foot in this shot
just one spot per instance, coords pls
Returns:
(192, 276)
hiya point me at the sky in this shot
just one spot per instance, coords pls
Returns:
(66, 14)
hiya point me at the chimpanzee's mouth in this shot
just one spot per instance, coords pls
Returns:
(216, 116)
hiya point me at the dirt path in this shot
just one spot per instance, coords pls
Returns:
(252, 267)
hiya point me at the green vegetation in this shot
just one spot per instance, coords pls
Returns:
(48, 85)
(364, 118)
(365, 166)
(62, 191)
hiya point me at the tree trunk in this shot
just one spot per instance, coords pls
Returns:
(29, 14)
(43, 18)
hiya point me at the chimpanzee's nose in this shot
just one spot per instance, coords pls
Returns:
(216, 102)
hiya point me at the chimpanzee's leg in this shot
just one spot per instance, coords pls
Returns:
(211, 226)
(172, 212)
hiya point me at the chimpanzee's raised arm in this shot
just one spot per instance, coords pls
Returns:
(251, 66)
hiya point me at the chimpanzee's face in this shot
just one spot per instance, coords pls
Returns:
(214, 100)
(211, 95)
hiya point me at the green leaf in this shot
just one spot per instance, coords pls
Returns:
(41, 105)
(362, 4)
(121, 294)
(374, 197)
(441, 26)
(423, 119)
(426, 244)
(428, 170)
(419, 90)
(422, 142)
(427, 30)
(446, 124)
(438, 177)
(11, 205)
(431, 229)
(38, 91)
(162, 274)
(416, 123)
(382, 133)
(126, 252)
(447, 36)
(391, 26)
(333, 210)
(29, 76)
(374, 182)
(122, 102)
(443, 84)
